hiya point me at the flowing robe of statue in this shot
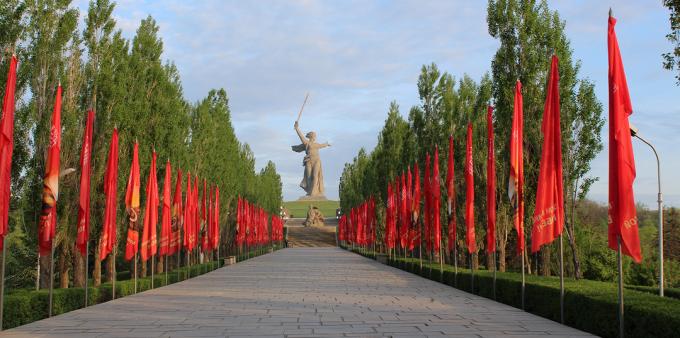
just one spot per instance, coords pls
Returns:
(312, 181)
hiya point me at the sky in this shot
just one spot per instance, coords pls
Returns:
(355, 57)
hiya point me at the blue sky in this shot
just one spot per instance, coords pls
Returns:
(354, 57)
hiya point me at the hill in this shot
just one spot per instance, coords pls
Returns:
(299, 208)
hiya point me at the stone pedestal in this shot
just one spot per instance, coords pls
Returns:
(230, 260)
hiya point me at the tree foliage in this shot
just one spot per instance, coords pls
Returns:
(129, 86)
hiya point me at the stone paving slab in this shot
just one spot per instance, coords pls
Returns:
(301, 292)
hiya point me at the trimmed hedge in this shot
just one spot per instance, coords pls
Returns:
(25, 306)
(590, 306)
(667, 292)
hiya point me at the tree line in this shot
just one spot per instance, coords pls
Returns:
(528, 33)
(130, 87)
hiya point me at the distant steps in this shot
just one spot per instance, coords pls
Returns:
(300, 236)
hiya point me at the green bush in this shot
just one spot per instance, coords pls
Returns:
(24, 306)
(590, 306)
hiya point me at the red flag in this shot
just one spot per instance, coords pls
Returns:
(470, 195)
(132, 205)
(450, 192)
(490, 185)
(623, 222)
(84, 203)
(416, 192)
(7, 147)
(48, 214)
(427, 187)
(516, 179)
(403, 213)
(197, 220)
(149, 239)
(436, 201)
(176, 219)
(166, 217)
(549, 212)
(216, 219)
(210, 224)
(187, 215)
(204, 218)
(109, 228)
(389, 234)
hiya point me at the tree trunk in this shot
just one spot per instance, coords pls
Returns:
(63, 267)
(475, 261)
(110, 261)
(489, 261)
(97, 271)
(160, 265)
(45, 272)
(501, 256)
(143, 270)
(545, 260)
(78, 268)
(574, 251)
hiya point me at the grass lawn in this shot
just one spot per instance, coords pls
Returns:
(299, 208)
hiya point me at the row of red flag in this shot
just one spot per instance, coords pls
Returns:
(403, 195)
(197, 224)
(252, 227)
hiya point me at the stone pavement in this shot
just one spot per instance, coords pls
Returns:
(320, 292)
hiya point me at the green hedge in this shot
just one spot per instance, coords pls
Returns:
(590, 306)
(667, 292)
(26, 306)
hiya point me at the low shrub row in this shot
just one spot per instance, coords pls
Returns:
(590, 306)
(26, 306)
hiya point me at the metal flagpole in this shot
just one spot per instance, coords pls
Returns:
(113, 268)
(472, 274)
(561, 281)
(620, 263)
(153, 267)
(87, 261)
(2, 283)
(135, 272)
(494, 274)
(165, 267)
(49, 312)
(523, 279)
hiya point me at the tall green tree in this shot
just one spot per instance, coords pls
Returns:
(529, 32)
(671, 60)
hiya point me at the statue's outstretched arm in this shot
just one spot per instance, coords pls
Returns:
(302, 137)
(324, 145)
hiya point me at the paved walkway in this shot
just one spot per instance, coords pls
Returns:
(302, 292)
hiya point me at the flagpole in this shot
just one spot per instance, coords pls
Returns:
(620, 266)
(49, 312)
(113, 268)
(135, 272)
(87, 256)
(472, 274)
(494, 274)
(153, 267)
(523, 277)
(165, 267)
(2, 282)
(561, 281)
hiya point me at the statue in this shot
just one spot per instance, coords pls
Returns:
(312, 182)
(314, 217)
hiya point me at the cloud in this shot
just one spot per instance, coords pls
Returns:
(357, 56)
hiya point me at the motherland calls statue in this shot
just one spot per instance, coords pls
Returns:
(312, 182)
